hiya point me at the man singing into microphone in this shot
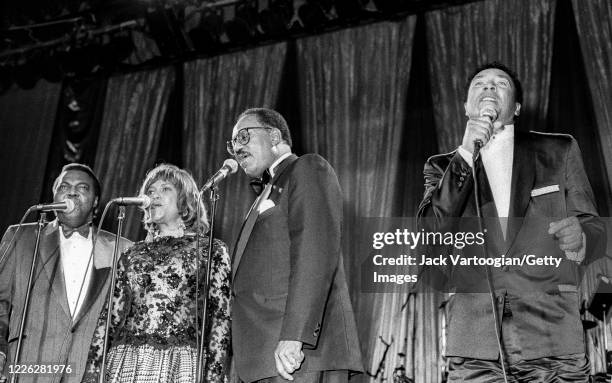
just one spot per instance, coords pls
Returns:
(69, 285)
(292, 317)
(536, 200)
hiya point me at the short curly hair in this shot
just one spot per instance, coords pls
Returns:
(187, 200)
(518, 88)
(80, 167)
(270, 118)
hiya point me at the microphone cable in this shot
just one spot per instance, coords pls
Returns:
(475, 157)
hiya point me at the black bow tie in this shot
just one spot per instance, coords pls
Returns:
(83, 230)
(258, 184)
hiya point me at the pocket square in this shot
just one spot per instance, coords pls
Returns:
(265, 205)
(544, 190)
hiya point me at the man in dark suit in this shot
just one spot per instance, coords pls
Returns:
(292, 317)
(69, 285)
(536, 200)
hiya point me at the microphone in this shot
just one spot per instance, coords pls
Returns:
(491, 114)
(66, 206)
(142, 201)
(230, 166)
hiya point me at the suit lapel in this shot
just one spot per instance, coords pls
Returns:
(99, 274)
(488, 209)
(247, 228)
(49, 259)
(523, 177)
(249, 222)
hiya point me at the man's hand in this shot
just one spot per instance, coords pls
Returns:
(288, 356)
(477, 129)
(569, 233)
(481, 129)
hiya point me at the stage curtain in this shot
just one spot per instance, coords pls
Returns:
(353, 89)
(216, 91)
(134, 112)
(594, 24)
(27, 117)
(518, 33)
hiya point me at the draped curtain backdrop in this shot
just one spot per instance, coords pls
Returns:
(216, 91)
(594, 23)
(519, 33)
(134, 112)
(353, 85)
(27, 117)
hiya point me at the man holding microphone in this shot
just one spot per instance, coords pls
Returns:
(536, 199)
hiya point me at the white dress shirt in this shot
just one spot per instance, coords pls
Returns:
(74, 256)
(278, 161)
(497, 156)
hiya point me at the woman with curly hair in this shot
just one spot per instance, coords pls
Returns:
(153, 331)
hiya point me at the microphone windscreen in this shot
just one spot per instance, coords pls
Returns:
(146, 201)
(232, 164)
(489, 112)
(69, 206)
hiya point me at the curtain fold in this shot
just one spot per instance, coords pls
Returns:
(594, 24)
(353, 86)
(134, 112)
(216, 90)
(518, 33)
(27, 117)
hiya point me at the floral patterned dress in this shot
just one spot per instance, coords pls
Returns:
(153, 332)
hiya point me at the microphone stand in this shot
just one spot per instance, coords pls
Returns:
(475, 156)
(111, 289)
(26, 301)
(214, 197)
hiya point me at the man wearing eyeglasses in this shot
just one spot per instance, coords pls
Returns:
(292, 318)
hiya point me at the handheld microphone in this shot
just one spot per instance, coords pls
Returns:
(142, 201)
(66, 206)
(230, 166)
(491, 114)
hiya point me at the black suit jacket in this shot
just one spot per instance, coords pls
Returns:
(542, 300)
(51, 335)
(289, 282)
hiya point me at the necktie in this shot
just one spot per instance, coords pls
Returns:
(82, 230)
(487, 204)
(488, 210)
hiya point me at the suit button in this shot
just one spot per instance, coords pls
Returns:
(317, 330)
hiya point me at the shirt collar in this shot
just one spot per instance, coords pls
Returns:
(506, 133)
(277, 162)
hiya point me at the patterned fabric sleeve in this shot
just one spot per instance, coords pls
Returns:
(120, 310)
(219, 309)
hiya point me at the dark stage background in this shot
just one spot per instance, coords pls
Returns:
(375, 100)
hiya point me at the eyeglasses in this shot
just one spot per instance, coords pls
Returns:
(242, 137)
